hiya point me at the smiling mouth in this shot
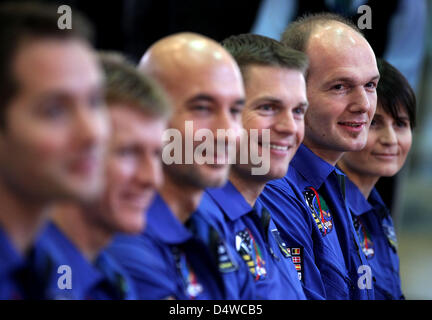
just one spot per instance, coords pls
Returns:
(274, 146)
(385, 154)
(281, 148)
(138, 201)
(352, 124)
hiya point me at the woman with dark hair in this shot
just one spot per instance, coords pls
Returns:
(389, 141)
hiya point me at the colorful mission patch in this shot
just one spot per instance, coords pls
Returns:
(251, 253)
(319, 209)
(192, 286)
(286, 252)
(365, 239)
(221, 252)
(391, 236)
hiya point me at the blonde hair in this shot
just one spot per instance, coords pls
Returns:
(125, 84)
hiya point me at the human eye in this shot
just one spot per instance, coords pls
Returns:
(400, 123)
(371, 85)
(126, 151)
(299, 111)
(54, 109)
(266, 108)
(200, 109)
(235, 110)
(376, 123)
(338, 87)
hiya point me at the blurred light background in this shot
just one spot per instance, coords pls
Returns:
(414, 200)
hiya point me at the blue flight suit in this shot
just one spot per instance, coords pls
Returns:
(181, 261)
(57, 257)
(11, 262)
(258, 242)
(375, 230)
(308, 205)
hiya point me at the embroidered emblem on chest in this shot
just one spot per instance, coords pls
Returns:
(365, 238)
(390, 235)
(319, 209)
(192, 286)
(221, 253)
(286, 252)
(251, 253)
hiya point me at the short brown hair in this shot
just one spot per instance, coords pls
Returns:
(252, 49)
(297, 34)
(21, 22)
(125, 84)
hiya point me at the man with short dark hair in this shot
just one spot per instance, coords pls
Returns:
(275, 105)
(79, 232)
(53, 131)
(309, 202)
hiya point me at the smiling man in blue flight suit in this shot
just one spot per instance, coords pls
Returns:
(275, 101)
(389, 142)
(181, 254)
(69, 254)
(49, 79)
(309, 202)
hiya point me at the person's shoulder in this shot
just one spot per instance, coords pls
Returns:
(287, 207)
(283, 191)
(48, 235)
(146, 264)
(53, 244)
(127, 285)
(143, 248)
(209, 208)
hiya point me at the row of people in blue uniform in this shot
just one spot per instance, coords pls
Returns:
(304, 230)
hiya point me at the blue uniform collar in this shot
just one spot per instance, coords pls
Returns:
(360, 205)
(378, 203)
(313, 168)
(230, 200)
(75, 259)
(10, 258)
(162, 223)
(63, 251)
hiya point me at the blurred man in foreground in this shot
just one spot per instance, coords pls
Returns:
(53, 131)
(79, 232)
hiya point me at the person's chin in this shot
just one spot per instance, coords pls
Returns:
(215, 175)
(79, 190)
(388, 171)
(277, 173)
(356, 145)
(280, 165)
(133, 225)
